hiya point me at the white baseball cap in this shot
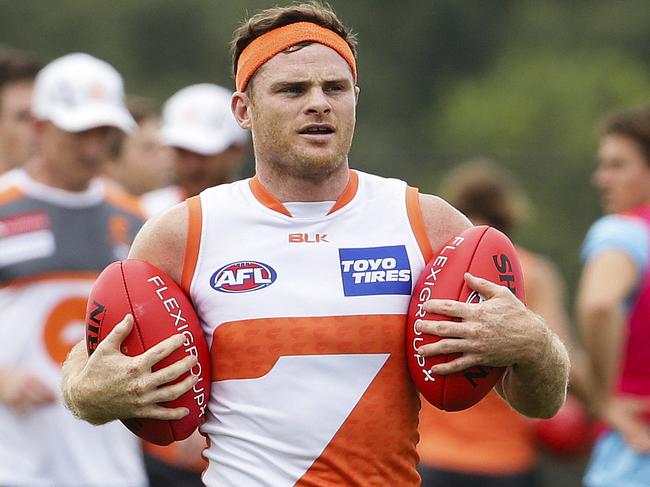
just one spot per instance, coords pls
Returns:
(198, 119)
(79, 92)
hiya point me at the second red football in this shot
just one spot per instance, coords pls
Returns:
(484, 252)
(160, 309)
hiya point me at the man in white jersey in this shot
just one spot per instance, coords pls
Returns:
(59, 227)
(207, 145)
(310, 384)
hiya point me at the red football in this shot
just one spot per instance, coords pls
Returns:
(569, 433)
(160, 309)
(484, 252)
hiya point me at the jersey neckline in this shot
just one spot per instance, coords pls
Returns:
(263, 196)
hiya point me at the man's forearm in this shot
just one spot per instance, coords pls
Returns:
(537, 388)
(603, 337)
(73, 365)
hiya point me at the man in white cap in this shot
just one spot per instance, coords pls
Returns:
(208, 144)
(59, 227)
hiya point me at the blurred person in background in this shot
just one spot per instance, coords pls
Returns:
(613, 302)
(139, 162)
(60, 225)
(17, 73)
(207, 144)
(490, 444)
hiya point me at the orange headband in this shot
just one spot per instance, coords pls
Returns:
(277, 40)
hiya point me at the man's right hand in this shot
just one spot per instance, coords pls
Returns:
(21, 391)
(109, 385)
(627, 415)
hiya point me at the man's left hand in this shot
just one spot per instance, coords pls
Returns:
(499, 331)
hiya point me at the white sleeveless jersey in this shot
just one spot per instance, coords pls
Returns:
(53, 244)
(305, 319)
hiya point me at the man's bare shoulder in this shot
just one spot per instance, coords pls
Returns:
(161, 241)
(441, 220)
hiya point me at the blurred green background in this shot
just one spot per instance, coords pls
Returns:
(521, 81)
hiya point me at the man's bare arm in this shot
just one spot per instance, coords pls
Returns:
(501, 331)
(607, 279)
(22, 391)
(546, 296)
(605, 282)
(110, 385)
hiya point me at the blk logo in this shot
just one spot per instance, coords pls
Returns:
(308, 238)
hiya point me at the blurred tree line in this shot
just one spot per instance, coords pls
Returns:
(523, 82)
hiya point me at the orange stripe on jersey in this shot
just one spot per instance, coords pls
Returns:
(348, 193)
(10, 194)
(193, 244)
(267, 339)
(266, 198)
(417, 222)
(51, 276)
(375, 444)
(123, 200)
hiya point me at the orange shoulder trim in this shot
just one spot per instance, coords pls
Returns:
(193, 244)
(417, 222)
(348, 193)
(124, 201)
(266, 198)
(10, 194)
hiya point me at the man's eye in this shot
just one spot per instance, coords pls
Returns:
(334, 88)
(292, 89)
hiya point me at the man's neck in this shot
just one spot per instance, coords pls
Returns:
(40, 171)
(5, 163)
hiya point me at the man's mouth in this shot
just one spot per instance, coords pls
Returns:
(317, 130)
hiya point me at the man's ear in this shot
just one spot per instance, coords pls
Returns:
(240, 106)
(37, 123)
(38, 126)
(357, 91)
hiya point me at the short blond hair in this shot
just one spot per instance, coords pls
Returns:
(273, 18)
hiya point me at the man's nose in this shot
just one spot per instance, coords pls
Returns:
(94, 142)
(317, 102)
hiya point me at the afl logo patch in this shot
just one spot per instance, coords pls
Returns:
(242, 277)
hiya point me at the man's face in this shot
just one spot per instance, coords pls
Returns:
(622, 175)
(74, 158)
(16, 134)
(196, 172)
(302, 112)
(144, 162)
